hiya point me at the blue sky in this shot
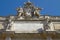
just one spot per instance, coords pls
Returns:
(50, 7)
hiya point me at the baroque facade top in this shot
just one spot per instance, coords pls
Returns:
(29, 13)
(29, 24)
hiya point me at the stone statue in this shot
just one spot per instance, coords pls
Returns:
(20, 11)
(9, 24)
(36, 12)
